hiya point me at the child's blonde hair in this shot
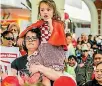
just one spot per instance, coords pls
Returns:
(51, 4)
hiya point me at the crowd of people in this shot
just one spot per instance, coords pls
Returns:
(50, 56)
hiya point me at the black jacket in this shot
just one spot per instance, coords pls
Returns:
(92, 83)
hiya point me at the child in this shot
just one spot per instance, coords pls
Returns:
(52, 37)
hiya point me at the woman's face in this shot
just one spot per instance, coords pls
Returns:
(97, 59)
(31, 41)
(46, 12)
(8, 40)
(15, 32)
(98, 73)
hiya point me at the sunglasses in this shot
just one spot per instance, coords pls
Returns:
(9, 38)
(13, 30)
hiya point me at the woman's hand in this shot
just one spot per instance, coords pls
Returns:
(20, 41)
(34, 68)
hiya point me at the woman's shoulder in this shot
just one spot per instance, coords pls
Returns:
(21, 58)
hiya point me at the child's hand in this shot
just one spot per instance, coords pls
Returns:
(20, 41)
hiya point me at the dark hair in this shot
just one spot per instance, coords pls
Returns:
(98, 64)
(38, 34)
(51, 4)
(5, 33)
(98, 52)
(72, 56)
(68, 34)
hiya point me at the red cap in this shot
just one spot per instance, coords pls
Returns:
(10, 81)
(64, 81)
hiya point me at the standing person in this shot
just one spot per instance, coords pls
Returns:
(52, 36)
(31, 43)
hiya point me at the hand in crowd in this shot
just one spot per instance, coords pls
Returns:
(35, 68)
(81, 65)
(20, 41)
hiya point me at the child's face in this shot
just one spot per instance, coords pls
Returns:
(46, 12)
(71, 62)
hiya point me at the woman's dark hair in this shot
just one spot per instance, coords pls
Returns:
(72, 56)
(33, 30)
(98, 64)
(98, 52)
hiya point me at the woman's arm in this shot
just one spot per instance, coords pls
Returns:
(48, 72)
(14, 71)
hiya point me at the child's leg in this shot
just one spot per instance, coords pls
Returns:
(46, 81)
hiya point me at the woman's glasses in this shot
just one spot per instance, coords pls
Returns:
(9, 38)
(33, 38)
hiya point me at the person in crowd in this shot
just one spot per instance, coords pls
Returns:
(52, 37)
(71, 65)
(79, 40)
(15, 29)
(90, 40)
(85, 67)
(97, 58)
(83, 35)
(70, 47)
(99, 42)
(90, 50)
(78, 51)
(7, 39)
(86, 39)
(98, 76)
(31, 43)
